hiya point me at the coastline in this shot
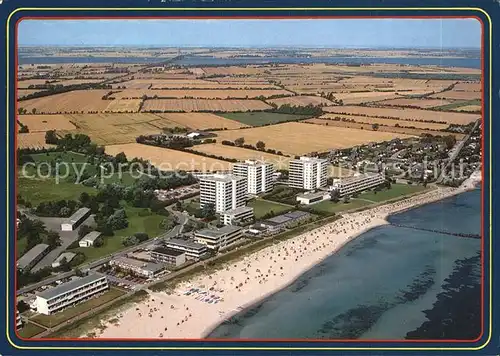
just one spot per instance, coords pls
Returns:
(240, 285)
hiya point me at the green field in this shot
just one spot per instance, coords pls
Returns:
(396, 191)
(262, 207)
(29, 330)
(457, 104)
(69, 313)
(42, 190)
(328, 206)
(69, 157)
(283, 194)
(149, 224)
(125, 178)
(262, 118)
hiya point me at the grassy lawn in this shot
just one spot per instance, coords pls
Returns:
(29, 330)
(397, 190)
(125, 179)
(41, 190)
(284, 195)
(331, 207)
(138, 222)
(457, 104)
(262, 118)
(70, 157)
(262, 207)
(61, 317)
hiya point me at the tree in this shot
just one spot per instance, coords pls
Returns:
(78, 272)
(130, 241)
(53, 239)
(20, 111)
(239, 141)
(375, 127)
(84, 230)
(208, 211)
(33, 111)
(24, 129)
(121, 158)
(260, 145)
(98, 242)
(141, 236)
(449, 141)
(346, 199)
(335, 196)
(51, 137)
(22, 306)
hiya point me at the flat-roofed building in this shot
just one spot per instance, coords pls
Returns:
(308, 173)
(357, 183)
(71, 293)
(259, 175)
(169, 256)
(311, 198)
(32, 257)
(140, 268)
(238, 215)
(75, 220)
(89, 239)
(224, 191)
(65, 256)
(283, 221)
(192, 249)
(216, 239)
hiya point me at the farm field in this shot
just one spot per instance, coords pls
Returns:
(188, 105)
(369, 127)
(117, 128)
(199, 93)
(418, 103)
(25, 92)
(78, 101)
(405, 114)
(363, 97)
(300, 138)
(44, 123)
(468, 87)
(217, 149)
(32, 140)
(124, 105)
(167, 159)
(456, 105)
(458, 95)
(263, 118)
(301, 100)
(202, 121)
(469, 108)
(386, 122)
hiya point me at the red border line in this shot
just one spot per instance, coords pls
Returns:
(163, 340)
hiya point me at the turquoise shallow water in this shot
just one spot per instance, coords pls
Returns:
(382, 285)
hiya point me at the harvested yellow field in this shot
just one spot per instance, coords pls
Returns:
(25, 84)
(217, 149)
(363, 97)
(78, 101)
(107, 129)
(44, 123)
(458, 95)
(124, 105)
(405, 114)
(233, 70)
(467, 87)
(199, 93)
(188, 105)
(386, 122)
(469, 108)
(167, 160)
(32, 140)
(417, 103)
(24, 92)
(301, 100)
(202, 121)
(299, 138)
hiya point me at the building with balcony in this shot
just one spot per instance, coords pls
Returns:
(238, 215)
(259, 175)
(224, 191)
(308, 173)
(192, 249)
(357, 183)
(137, 267)
(216, 239)
(169, 256)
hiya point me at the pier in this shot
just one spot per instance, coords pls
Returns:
(458, 234)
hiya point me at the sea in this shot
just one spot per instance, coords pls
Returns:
(211, 61)
(390, 283)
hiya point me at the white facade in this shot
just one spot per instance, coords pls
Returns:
(225, 191)
(192, 249)
(68, 256)
(259, 175)
(218, 238)
(308, 173)
(70, 293)
(89, 239)
(19, 322)
(351, 185)
(232, 216)
(311, 198)
(76, 219)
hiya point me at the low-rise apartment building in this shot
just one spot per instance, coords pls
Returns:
(139, 268)
(311, 198)
(357, 183)
(71, 293)
(192, 249)
(216, 239)
(234, 216)
(171, 257)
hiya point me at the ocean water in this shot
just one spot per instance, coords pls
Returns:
(201, 61)
(383, 285)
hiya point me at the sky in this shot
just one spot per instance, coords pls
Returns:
(372, 33)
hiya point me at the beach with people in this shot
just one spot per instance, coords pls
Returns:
(195, 307)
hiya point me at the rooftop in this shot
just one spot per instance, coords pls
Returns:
(79, 214)
(67, 255)
(31, 255)
(241, 209)
(168, 251)
(356, 178)
(311, 195)
(214, 233)
(186, 243)
(222, 178)
(148, 266)
(309, 159)
(91, 236)
(66, 287)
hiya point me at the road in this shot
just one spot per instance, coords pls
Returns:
(177, 230)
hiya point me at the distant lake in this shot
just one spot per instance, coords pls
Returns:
(211, 61)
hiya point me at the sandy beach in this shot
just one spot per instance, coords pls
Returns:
(196, 307)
